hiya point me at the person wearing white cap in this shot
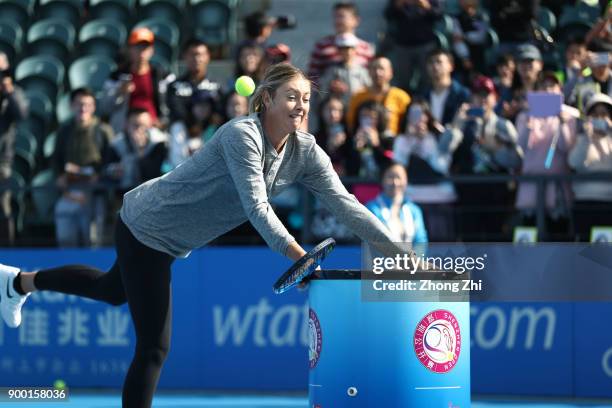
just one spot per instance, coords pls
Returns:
(592, 153)
(347, 77)
(600, 80)
(325, 53)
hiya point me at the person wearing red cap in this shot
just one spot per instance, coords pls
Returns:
(482, 143)
(347, 77)
(136, 84)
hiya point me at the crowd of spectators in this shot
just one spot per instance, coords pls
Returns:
(411, 111)
(497, 99)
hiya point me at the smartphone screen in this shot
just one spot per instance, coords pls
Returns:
(544, 104)
(415, 114)
(475, 112)
(602, 58)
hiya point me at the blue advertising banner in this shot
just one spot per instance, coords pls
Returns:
(593, 350)
(522, 348)
(231, 332)
(228, 326)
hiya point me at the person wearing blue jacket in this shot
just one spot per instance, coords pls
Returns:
(402, 217)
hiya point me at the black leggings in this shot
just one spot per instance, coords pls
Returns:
(140, 276)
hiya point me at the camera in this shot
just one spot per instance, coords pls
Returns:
(255, 23)
(475, 112)
(286, 22)
(600, 125)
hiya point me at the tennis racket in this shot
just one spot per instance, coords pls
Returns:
(304, 266)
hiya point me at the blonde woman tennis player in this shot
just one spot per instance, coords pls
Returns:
(226, 183)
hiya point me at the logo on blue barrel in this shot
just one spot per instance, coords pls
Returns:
(315, 339)
(437, 341)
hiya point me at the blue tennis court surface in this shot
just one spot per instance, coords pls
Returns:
(80, 399)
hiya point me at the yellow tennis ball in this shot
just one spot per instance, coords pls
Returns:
(245, 85)
(59, 384)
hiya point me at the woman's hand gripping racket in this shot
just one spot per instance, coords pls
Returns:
(304, 266)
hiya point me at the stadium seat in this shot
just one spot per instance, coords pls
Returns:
(115, 10)
(547, 20)
(102, 37)
(41, 72)
(576, 20)
(17, 11)
(167, 37)
(159, 60)
(67, 10)
(39, 104)
(51, 36)
(214, 21)
(62, 110)
(25, 140)
(445, 25)
(23, 163)
(44, 194)
(491, 54)
(90, 71)
(441, 40)
(10, 39)
(49, 145)
(165, 9)
(40, 113)
(451, 7)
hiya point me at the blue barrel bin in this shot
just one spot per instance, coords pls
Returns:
(385, 354)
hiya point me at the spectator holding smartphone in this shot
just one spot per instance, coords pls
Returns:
(602, 29)
(347, 77)
(331, 135)
(529, 68)
(600, 80)
(394, 99)
(576, 63)
(418, 150)
(137, 154)
(482, 143)
(506, 71)
(546, 138)
(369, 148)
(248, 62)
(187, 137)
(592, 153)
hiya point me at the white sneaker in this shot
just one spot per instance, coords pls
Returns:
(10, 301)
